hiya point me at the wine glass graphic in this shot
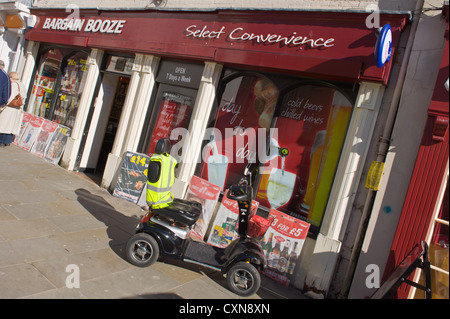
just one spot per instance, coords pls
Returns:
(217, 165)
(281, 182)
(280, 187)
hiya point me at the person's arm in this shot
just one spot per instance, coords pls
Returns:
(5, 90)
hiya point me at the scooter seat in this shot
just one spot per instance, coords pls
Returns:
(183, 211)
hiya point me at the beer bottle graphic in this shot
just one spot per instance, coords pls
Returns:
(268, 246)
(274, 255)
(292, 260)
(283, 260)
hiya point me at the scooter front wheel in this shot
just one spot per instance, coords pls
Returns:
(243, 279)
(142, 250)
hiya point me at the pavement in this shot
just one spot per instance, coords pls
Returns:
(58, 225)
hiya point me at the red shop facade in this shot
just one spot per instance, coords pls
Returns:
(311, 77)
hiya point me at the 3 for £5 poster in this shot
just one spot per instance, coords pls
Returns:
(282, 245)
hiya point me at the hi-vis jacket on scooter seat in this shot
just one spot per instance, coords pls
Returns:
(158, 193)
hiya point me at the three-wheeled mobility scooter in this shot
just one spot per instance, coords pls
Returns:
(165, 232)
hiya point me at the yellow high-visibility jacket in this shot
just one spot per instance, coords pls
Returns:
(158, 193)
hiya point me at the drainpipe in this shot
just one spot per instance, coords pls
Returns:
(383, 145)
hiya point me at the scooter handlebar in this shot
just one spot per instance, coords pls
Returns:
(238, 193)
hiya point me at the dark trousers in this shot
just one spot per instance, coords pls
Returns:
(6, 138)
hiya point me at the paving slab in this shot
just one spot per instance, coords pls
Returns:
(58, 293)
(5, 214)
(36, 249)
(92, 264)
(131, 283)
(74, 223)
(91, 239)
(22, 280)
(28, 228)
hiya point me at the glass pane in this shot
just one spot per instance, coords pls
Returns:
(439, 253)
(439, 280)
(44, 83)
(439, 284)
(440, 234)
(69, 94)
(173, 113)
(247, 104)
(310, 129)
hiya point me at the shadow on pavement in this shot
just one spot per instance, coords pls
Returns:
(120, 227)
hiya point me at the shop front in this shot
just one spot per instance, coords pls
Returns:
(294, 93)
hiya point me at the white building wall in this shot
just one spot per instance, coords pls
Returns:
(235, 4)
(12, 40)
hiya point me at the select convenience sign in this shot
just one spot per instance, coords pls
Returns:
(239, 34)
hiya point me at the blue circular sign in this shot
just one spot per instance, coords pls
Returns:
(383, 48)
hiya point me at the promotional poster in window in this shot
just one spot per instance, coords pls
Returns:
(173, 113)
(304, 129)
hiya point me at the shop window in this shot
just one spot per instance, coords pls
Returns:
(247, 104)
(305, 128)
(58, 85)
(311, 125)
(172, 110)
(44, 83)
(70, 90)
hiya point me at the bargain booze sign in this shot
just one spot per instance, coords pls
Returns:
(84, 25)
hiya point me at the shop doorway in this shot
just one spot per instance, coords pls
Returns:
(105, 120)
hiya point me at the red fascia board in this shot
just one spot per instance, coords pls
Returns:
(344, 70)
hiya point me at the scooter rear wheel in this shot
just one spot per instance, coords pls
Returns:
(243, 279)
(142, 250)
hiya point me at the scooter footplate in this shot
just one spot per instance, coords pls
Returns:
(205, 254)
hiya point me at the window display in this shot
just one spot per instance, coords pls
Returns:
(173, 113)
(72, 85)
(304, 129)
(247, 104)
(44, 84)
(56, 92)
(311, 125)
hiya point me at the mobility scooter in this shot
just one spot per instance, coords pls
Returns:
(165, 232)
